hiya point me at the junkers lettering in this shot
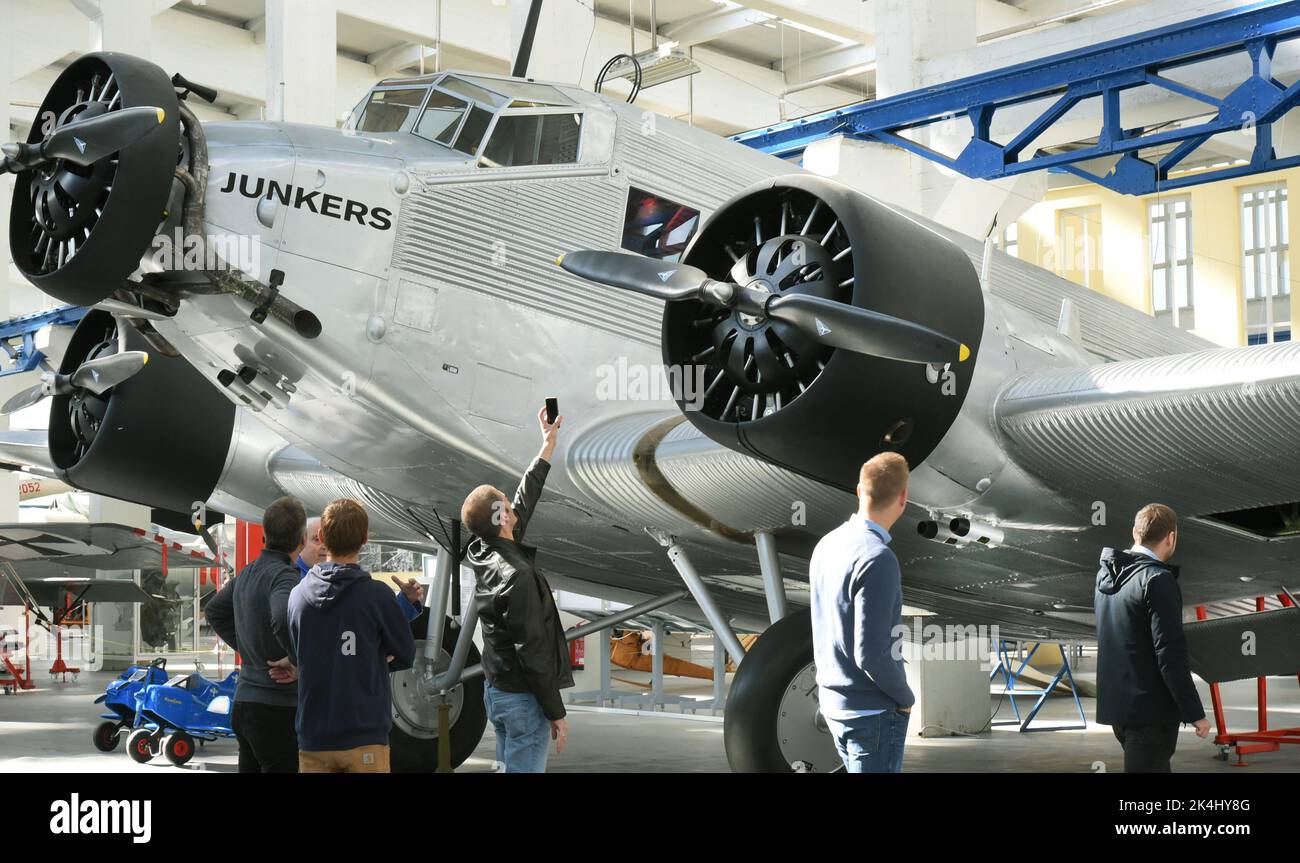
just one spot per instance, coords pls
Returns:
(318, 202)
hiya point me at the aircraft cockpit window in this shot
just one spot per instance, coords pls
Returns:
(392, 110)
(471, 133)
(533, 139)
(441, 117)
(657, 227)
(473, 92)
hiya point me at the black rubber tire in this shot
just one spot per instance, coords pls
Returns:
(145, 171)
(749, 728)
(409, 754)
(178, 747)
(140, 746)
(106, 737)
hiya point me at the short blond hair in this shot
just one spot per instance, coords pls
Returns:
(1153, 523)
(883, 477)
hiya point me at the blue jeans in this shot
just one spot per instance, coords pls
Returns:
(871, 744)
(523, 731)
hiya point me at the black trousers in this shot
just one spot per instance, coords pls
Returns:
(268, 740)
(1147, 748)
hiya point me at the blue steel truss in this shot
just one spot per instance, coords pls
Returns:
(1101, 71)
(18, 337)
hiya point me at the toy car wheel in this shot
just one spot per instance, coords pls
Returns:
(178, 747)
(140, 746)
(106, 736)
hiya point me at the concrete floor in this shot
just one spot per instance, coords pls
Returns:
(48, 730)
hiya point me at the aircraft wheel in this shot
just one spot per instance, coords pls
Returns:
(178, 747)
(140, 746)
(773, 723)
(413, 742)
(106, 735)
(70, 233)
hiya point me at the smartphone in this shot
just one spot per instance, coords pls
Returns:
(552, 410)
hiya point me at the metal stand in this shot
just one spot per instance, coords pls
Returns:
(1263, 738)
(607, 693)
(1003, 665)
(656, 698)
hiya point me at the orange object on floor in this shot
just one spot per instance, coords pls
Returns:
(626, 653)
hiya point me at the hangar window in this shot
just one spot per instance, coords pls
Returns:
(392, 110)
(533, 139)
(441, 117)
(657, 227)
(1266, 266)
(1171, 261)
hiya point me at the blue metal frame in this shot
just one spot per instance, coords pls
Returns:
(25, 355)
(1101, 71)
(1010, 691)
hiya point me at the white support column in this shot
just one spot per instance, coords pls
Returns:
(123, 25)
(301, 61)
(111, 510)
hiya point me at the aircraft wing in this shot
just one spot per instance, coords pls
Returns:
(32, 547)
(49, 591)
(1212, 434)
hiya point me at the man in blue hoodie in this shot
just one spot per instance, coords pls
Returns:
(857, 601)
(348, 634)
(410, 595)
(1144, 681)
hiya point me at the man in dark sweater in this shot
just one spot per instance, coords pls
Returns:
(525, 654)
(348, 634)
(857, 600)
(251, 615)
(1144, 682)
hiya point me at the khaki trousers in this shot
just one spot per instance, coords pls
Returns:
(363, 759)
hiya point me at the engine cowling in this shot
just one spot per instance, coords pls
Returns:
(160, 438)
(774, 393)
(78, 232)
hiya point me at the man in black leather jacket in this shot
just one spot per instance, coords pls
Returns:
(1144, 682)
(525, 654)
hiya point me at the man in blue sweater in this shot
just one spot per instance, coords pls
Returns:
(348, 634)
(857, 601)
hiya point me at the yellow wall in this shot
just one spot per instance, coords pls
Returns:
(1125, 248)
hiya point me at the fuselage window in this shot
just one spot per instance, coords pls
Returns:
(533, 139)
(657, 227)
(391, 110)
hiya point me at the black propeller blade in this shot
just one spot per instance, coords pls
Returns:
(98, 376)
(84, 142)
(864, 331)
(838, 325)
(660, 279)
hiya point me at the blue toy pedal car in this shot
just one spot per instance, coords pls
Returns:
(171, 716)
(119, 698)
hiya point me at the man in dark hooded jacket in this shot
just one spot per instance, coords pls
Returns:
(348, 635)
(1144, 682)
(525, 655)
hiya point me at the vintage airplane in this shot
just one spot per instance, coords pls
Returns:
(376, 312)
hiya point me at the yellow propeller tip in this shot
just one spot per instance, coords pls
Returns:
(963, 354)
(559, 261)
(162, 115)
(145, 361)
